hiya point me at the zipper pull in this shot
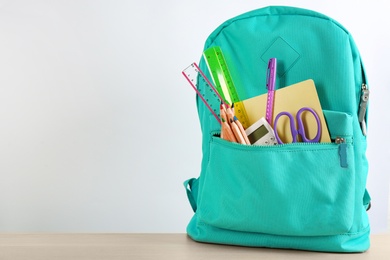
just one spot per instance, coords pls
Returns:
(342, 151)
(363, 108)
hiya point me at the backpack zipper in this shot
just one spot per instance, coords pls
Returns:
(365, 94)
(340, 141)
(342, 151)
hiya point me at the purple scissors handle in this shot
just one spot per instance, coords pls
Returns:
(301, 127)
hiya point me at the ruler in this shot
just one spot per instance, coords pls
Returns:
(206, 91)
(271, 77)
(224, 83)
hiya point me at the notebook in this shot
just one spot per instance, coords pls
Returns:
(290, 99)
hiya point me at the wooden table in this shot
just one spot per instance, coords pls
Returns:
(156, 246)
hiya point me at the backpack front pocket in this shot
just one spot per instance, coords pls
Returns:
(295, 189)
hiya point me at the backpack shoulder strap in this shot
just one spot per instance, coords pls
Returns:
(191, 186)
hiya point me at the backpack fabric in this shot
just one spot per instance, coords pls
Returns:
(294, 196)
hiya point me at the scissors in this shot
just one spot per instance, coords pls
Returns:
(301, 128)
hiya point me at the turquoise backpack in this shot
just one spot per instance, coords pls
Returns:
(307, 196)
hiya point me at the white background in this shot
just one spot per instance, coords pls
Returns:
(98, 128)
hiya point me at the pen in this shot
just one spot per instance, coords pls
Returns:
(271, 77)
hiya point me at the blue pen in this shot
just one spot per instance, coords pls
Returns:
(271, 77)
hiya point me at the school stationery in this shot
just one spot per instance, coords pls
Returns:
(232, 126)
(291, 99)
(296, 195)
(223, 80)
(227, 132)
(301, 126)
(242, 130)
(206, 91)
(271, 77)
(261, 133)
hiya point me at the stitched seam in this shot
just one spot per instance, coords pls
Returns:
(233, 20)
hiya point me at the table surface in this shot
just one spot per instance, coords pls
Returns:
(156, 246)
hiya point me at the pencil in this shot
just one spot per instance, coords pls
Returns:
(237, 132)
(229, 113)
(227, 132)
(222, 114)
(244, 135)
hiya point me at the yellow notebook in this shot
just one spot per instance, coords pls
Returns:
(290, 99)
